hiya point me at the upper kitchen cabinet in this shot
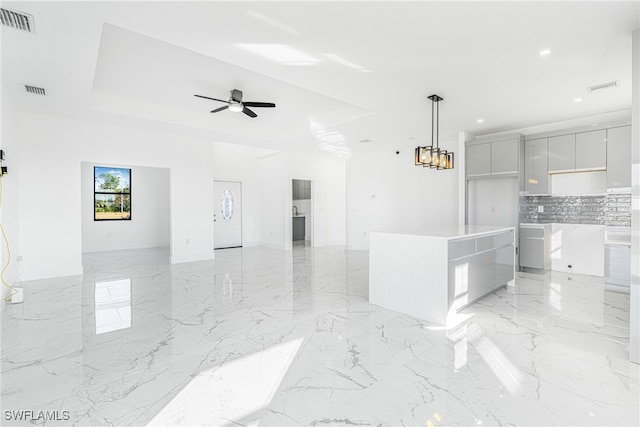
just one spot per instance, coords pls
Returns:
(493, 157)
(591, 150)
(536, 178)
(306, 189)
(479, 159)
(619, 157)
(585, 151)
(504, 156)
(562, 153)
(295, 189)
(301, 189)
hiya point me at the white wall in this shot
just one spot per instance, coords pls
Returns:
(634, 329)
(149, 225)
(272, 200)
(51, 152)
(9, 213)
(387, 192)
(493, 201)
(327, 173)
(232, 162)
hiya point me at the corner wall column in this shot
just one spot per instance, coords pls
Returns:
(634, 303)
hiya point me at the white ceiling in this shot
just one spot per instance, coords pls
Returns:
(363, 69)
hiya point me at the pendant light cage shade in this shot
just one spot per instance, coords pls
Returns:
(432, 156)
(424, 156)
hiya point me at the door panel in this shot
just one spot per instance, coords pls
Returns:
(591, 150)
(562, 153)
(619, 157)
(227, 214)
(504, 156)
(479, 159)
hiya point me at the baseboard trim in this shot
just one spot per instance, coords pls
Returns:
(179, 259)
(272, 246)
(50, 274)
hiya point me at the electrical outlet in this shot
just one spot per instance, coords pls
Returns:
(540, 209)
(187, 241)
(19, 258)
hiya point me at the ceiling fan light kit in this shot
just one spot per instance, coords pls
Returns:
(236, 105)
(432, 156)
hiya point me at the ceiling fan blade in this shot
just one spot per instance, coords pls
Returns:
(219, 109)
(236, 95)
(259, 104)
(249, 112)
(214, 99)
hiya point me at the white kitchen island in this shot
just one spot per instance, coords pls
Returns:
(434, 274)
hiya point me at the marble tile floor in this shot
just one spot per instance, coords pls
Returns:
(262, 337)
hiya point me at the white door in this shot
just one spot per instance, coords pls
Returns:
(227, 214)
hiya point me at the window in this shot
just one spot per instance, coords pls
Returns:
(112, 194)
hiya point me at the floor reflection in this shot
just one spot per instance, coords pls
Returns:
(275, 338)
(112, 305)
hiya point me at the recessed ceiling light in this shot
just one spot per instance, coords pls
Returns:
(366, 140)
(480, 121)
(577, 100)
(544, 52)
(412, 138)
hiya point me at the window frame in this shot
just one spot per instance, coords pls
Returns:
(113, 193)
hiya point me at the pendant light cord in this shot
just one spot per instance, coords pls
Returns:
(438, 125)
(433, 122)
(6, 265)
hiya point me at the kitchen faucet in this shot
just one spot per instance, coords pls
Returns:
(295, 210)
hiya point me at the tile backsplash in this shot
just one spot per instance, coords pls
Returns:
(612, 209)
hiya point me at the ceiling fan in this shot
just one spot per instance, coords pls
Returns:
(236, 104)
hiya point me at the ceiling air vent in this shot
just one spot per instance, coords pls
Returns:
(17, 20)
(35, 90)
(603, 87)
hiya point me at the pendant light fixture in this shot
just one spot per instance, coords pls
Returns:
(432, 156)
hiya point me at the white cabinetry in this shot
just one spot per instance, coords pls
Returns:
(591, 150)
(536, 176)
(479, 160)
(505, 156)
(535, 246)
(562, 153)
(583, 151)
(619, 157)
(493, 157)
(432, 275)
(301, 189)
